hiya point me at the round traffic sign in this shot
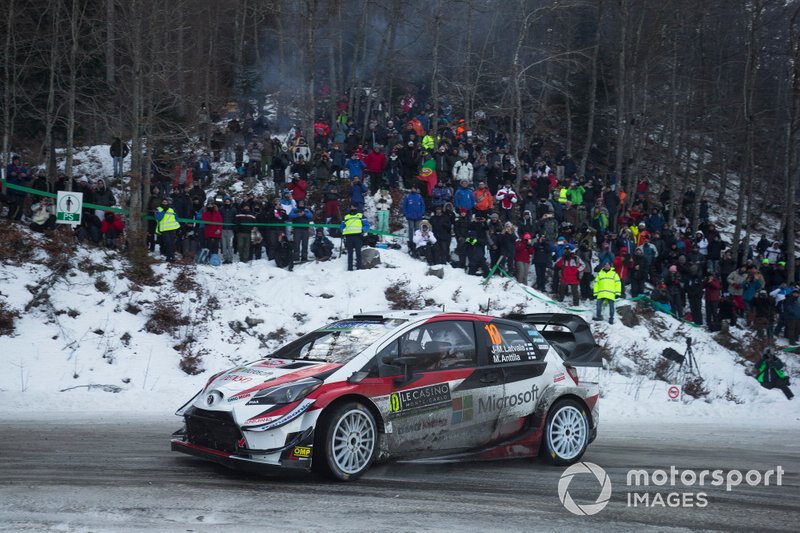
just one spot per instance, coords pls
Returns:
(673, 392)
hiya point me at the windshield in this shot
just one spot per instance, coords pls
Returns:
(338, 342)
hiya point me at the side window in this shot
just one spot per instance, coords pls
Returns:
(441, 345)
(508, 344)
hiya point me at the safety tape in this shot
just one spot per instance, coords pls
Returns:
(194, 221)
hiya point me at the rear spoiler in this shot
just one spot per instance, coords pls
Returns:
(576, 345)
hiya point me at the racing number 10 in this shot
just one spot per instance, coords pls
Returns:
(494, 334)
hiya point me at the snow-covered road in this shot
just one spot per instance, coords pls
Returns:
(116, 473)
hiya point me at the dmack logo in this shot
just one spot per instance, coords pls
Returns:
(496, 403)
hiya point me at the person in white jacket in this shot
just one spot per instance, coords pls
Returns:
(383, 203)
(462, 170)
(424, 241)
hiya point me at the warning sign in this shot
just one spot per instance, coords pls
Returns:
(673, 393)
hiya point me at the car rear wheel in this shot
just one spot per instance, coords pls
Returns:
(347, 441)
(566, 433)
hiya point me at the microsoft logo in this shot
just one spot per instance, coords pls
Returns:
(462, 410)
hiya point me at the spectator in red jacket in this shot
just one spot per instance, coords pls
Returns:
(572, 269)
(111, 228)
(523, 250)
(623, 264)
(212, 233)
(374, 165)
(298, 186)
(712, 295)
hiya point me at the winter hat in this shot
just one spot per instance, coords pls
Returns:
(462, 211)
(527, 236)
(82, 179)
(673, 268)
(765, 261)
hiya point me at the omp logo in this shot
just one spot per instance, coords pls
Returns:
(587, 509)
(302, 452)
(462, 410)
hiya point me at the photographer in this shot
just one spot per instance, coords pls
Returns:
(43, 217)
(769, 372)
(383, 204)
(424, 241)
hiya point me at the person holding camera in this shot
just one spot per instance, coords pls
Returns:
(43, 217)
(424, 241)
(383, 204)
(769, 372)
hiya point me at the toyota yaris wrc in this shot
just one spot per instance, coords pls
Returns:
(402, 385)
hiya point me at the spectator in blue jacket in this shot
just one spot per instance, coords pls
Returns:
(355, 167)
(464, 199)
(655, 222)
(16, 174)
(357, 192)
(413, 210)
(441, 195)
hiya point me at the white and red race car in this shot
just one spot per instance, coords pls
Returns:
(402, 385)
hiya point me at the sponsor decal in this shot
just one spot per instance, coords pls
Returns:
(301, 452)
(559, 377)
(262, 420)
(236, 379)
(420, 425)
(252, 371)
(462, 410)
(496, 403)
(271, 363)
(353, 324)
(237, 398)
(285, 419)
(418, 398)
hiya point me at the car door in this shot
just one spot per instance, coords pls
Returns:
(445, 407)
(515, 353)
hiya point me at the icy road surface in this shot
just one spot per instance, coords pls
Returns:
(112, 473)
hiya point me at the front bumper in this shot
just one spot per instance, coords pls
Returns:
(296, 454)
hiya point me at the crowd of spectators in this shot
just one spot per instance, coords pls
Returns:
(457, 197)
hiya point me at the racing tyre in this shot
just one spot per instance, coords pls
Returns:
(566, 433)
(346, 442)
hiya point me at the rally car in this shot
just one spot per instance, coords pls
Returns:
(402, 385)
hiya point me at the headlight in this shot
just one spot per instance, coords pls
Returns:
(286, 393)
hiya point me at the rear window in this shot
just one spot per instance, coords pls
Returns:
(338, 342)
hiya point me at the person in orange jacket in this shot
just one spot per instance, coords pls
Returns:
(484, 201)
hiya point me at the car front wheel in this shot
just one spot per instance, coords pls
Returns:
(347, 443)
(566, 432)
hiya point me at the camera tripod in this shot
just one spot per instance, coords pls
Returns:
(689, 360)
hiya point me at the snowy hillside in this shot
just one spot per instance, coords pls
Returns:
(95, 341)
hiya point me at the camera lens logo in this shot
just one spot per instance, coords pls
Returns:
(591, 508)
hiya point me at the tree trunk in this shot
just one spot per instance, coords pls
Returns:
(437, 31)
(50, 113)
(587, 145)
(74, 33)
(135, 222)
(311, 10)
(110, 45)
(9, 86)
(619, 148)
(748, 87)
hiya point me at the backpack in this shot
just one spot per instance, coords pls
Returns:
(202, 256)
(214, 260)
